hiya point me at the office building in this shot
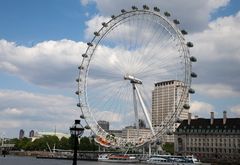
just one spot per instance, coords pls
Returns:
(21, 134)
(31, 133)
(165, 99)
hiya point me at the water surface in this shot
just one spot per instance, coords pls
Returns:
(18, 160)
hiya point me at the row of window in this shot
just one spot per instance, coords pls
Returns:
(215, 139)
(212, 150)
(209, 130)
(214, 144)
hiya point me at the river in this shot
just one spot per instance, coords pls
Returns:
(22, 160)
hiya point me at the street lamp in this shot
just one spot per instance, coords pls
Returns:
(76, 131)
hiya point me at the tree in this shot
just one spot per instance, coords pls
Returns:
(85, 144)
(64, 144)
(169, 147)
(21, 144)
(41, 144)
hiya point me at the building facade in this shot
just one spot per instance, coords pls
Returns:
(21, 134)
(212, 140)
(31, 133)
(165, 98)
(131, 134)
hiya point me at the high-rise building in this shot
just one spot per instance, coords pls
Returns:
(21, 134)
(165, 99)
(31, 133)
(104, 125)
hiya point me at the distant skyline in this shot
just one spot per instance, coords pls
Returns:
(41, 43)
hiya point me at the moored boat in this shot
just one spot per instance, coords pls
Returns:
(173, 160)
(115, 158)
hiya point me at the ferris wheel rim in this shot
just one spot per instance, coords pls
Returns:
(99, 37)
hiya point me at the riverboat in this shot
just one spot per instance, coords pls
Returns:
(115, 158)
(173, 160)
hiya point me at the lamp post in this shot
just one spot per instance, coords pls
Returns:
(76, 131)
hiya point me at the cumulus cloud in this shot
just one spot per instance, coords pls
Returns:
(217, 90)
(49, 63)
(94, 24)
(219, 39)
(218, 53)
(235, 110)
(194, 15)
(201, 109)
(53, 64)
(24, 110)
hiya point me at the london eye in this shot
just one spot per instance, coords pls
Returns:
(127, 57)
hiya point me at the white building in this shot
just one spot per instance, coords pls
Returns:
(131, 134)
(38, 135)
(165, 98)
(212, 140)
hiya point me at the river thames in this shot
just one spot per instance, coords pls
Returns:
(17, 160)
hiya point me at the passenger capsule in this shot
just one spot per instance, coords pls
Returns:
(186, 106)
(167, 14)
(134, 8)
(176, 22)
(87, 127)
(193, 59)
(77, 92)
(145, 7)
(96, 34)
(190, 44)
(113, 16)
(82, 116)
(89, 44)
(184, 32)
(191, 91)
(80, 67)
(156, 9)
(193, 75)
(178, 120)
(158, 142)
(79, 105)
(123, 11)
(84, 55)
(104, 24)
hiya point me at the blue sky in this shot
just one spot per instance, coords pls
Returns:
(38, 92)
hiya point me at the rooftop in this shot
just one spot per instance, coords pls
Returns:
(201, 123)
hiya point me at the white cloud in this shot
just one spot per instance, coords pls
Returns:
(217, 90)
(194, 15)
(220, 40)
(86, 2)
(201, 109)
(12, 111)
(235, 110)
(109, 116)
(24, 110)
(218, 52)
(53, 63)
(50, 63)
(94, 24)
(8, 66)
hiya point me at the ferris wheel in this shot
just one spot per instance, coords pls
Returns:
(127, 57)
